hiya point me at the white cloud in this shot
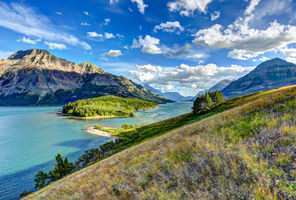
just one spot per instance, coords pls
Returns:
(188, 7)
(111, 53)
(29, 40)
(169, 27)
(215, 15)
(85, 24)
(104, 35)
(141, 5)
(149, 68)
(261, 59)
(148, 44)
(94, 35)
(290, 53)
(113, 1)
(25, 20)
(59, 13)
(52, 45)
(246, 42)
(252, 6)
(195, 77)
(86, 13)
(109, 35)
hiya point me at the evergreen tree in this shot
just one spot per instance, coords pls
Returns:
(208, 102)
(41, 179)
(198, 105)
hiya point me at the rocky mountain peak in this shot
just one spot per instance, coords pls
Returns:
(91, 68)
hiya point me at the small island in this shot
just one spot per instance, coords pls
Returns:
(106, 107)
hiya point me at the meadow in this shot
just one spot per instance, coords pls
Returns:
(243, 149)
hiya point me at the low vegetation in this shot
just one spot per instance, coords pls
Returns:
(247, 152)
(107, 106)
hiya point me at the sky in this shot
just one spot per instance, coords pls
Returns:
(174, 45)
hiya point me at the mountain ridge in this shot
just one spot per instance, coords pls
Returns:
(267, 75)
(37, 77)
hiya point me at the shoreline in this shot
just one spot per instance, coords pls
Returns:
(91, 130)
(88, 118)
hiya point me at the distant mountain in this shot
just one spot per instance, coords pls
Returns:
(36, 77)
(175, 96)
(270, 74)
(221, 85)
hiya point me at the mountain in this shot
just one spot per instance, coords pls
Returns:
(175, 96)
(221, 85)
(270, 74)
(36, 77)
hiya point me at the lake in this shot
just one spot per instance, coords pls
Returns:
(30, 138)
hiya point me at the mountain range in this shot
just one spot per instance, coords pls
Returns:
(175, 96)
(269, 74)
(36, 77)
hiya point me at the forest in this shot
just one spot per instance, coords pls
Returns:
(112, 106)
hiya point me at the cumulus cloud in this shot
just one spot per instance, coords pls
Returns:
(53, 45)
(195, 77)
(29, 40)
(59, 13)
(169, 27)
(244, 41)
(27, 21)
(111, 53)
(148, 44)
(215, 15)
(141, 5)
(188, 7)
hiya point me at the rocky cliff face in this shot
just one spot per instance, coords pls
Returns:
(37, 77)
(270, 74)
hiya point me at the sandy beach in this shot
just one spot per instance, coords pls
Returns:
(93, 131)
(87, 118)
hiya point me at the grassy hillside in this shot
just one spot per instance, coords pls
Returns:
(107, 106)
(246, 152)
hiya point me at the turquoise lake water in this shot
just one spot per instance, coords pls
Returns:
(30, 137)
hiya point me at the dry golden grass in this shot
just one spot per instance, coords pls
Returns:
(247, 152)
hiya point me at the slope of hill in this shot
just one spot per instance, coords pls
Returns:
(37, 77)
(175, 96)
(247, 152)
(270, 74)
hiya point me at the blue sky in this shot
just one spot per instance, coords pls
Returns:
(175, 45)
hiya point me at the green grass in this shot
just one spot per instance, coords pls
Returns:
(246, 152)
(107, 106)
